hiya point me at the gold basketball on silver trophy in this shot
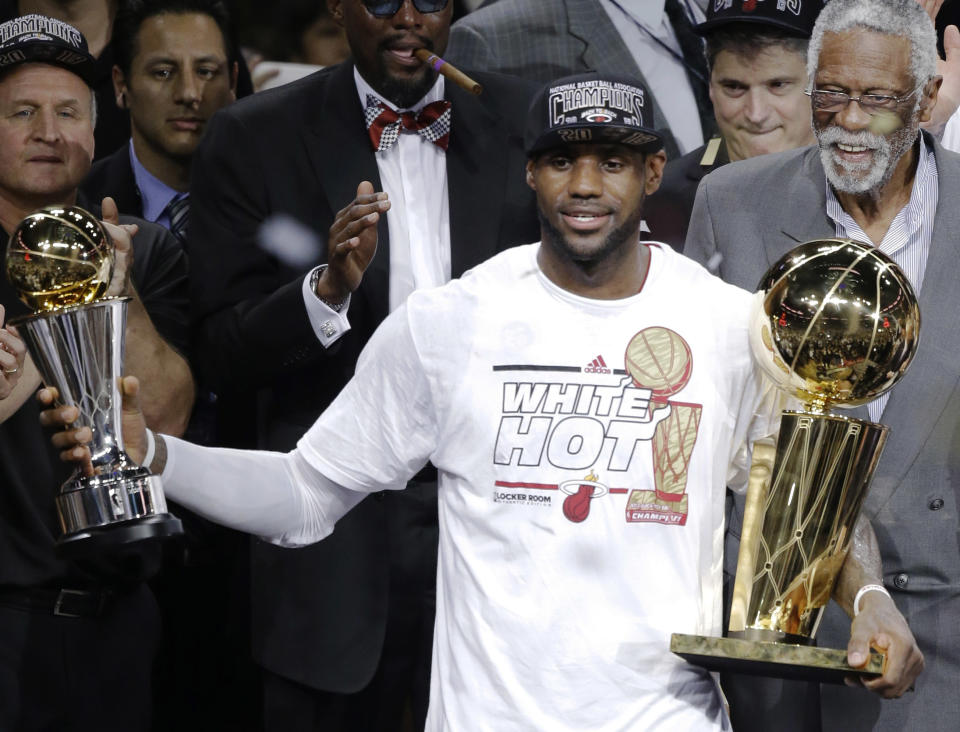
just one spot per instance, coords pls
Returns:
(58, 257)
(835, 323)
(60, 261)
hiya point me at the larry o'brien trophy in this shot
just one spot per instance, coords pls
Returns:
(835, 323)
(60, 261)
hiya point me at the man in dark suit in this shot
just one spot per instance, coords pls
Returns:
(873, 177)
(326, 619)
(172, 73)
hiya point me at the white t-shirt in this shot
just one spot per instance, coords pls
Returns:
(565, 562)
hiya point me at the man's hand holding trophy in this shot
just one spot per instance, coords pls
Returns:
(64, 265)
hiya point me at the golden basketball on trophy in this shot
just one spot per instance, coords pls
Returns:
(60, 261)
(835, 323)
(58, 257)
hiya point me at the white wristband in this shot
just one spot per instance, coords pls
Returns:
(152, 446)
(863, 591)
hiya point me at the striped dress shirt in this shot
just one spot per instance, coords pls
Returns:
(907, 241)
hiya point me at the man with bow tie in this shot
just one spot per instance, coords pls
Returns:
(330, 622)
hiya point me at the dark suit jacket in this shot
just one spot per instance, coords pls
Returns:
(667, 212)
(751, 213)
(113, 176)
(301, 150)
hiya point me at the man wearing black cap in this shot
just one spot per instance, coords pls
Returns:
(77, 639)
(757, 55)
(580, 494)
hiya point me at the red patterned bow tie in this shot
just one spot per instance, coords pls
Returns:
(383, 124)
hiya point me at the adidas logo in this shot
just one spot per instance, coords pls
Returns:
(597, 366)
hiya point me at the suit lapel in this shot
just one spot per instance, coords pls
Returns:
(339, 151)
(603, 47)
(476, 167)
(917, 402)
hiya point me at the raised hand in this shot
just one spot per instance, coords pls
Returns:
(352, 244)
(122, 237)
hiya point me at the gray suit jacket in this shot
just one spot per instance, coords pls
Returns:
(543, 40)
(751, 213)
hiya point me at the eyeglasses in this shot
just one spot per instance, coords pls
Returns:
(389, 8)
(835, 101)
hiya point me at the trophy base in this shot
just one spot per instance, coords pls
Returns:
(779, 660)
(102, 539)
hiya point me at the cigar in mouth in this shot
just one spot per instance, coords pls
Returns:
(451, 72)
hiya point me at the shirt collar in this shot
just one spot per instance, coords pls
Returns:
(154, 193)
(364, 89)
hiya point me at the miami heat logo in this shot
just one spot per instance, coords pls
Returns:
(576, 506)
(598, 115)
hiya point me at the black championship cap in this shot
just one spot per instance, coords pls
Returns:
(39, 39)
(795, 16)
(593, 108)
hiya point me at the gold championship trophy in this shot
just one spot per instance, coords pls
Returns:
(60, 260)
(835, 323)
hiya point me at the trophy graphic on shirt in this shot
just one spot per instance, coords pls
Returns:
(60, 261)
(835, 323)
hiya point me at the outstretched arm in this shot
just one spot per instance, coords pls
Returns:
(278, 496)
(879, 624)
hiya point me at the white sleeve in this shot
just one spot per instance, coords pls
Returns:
(384, 425)
(277, 496)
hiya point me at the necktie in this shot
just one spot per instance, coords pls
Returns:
(178, 211)
(383, 123)
(694, 59)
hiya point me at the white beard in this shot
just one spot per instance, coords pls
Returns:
(865, 177)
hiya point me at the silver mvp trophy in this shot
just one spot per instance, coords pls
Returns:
(60, 261)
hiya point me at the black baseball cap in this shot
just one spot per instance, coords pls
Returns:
(795, 16)
(594, 108)
(39, 39)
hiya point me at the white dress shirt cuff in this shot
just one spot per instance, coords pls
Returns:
(328, 324)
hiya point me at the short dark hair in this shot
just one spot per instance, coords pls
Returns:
(134, 13)
(749, 39)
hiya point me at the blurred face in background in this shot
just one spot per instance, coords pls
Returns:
(322, 43)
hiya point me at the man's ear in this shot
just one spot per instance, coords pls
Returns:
(335, 8)
(653, 170)
(530, 163)
(928, 98)
(119, 87)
